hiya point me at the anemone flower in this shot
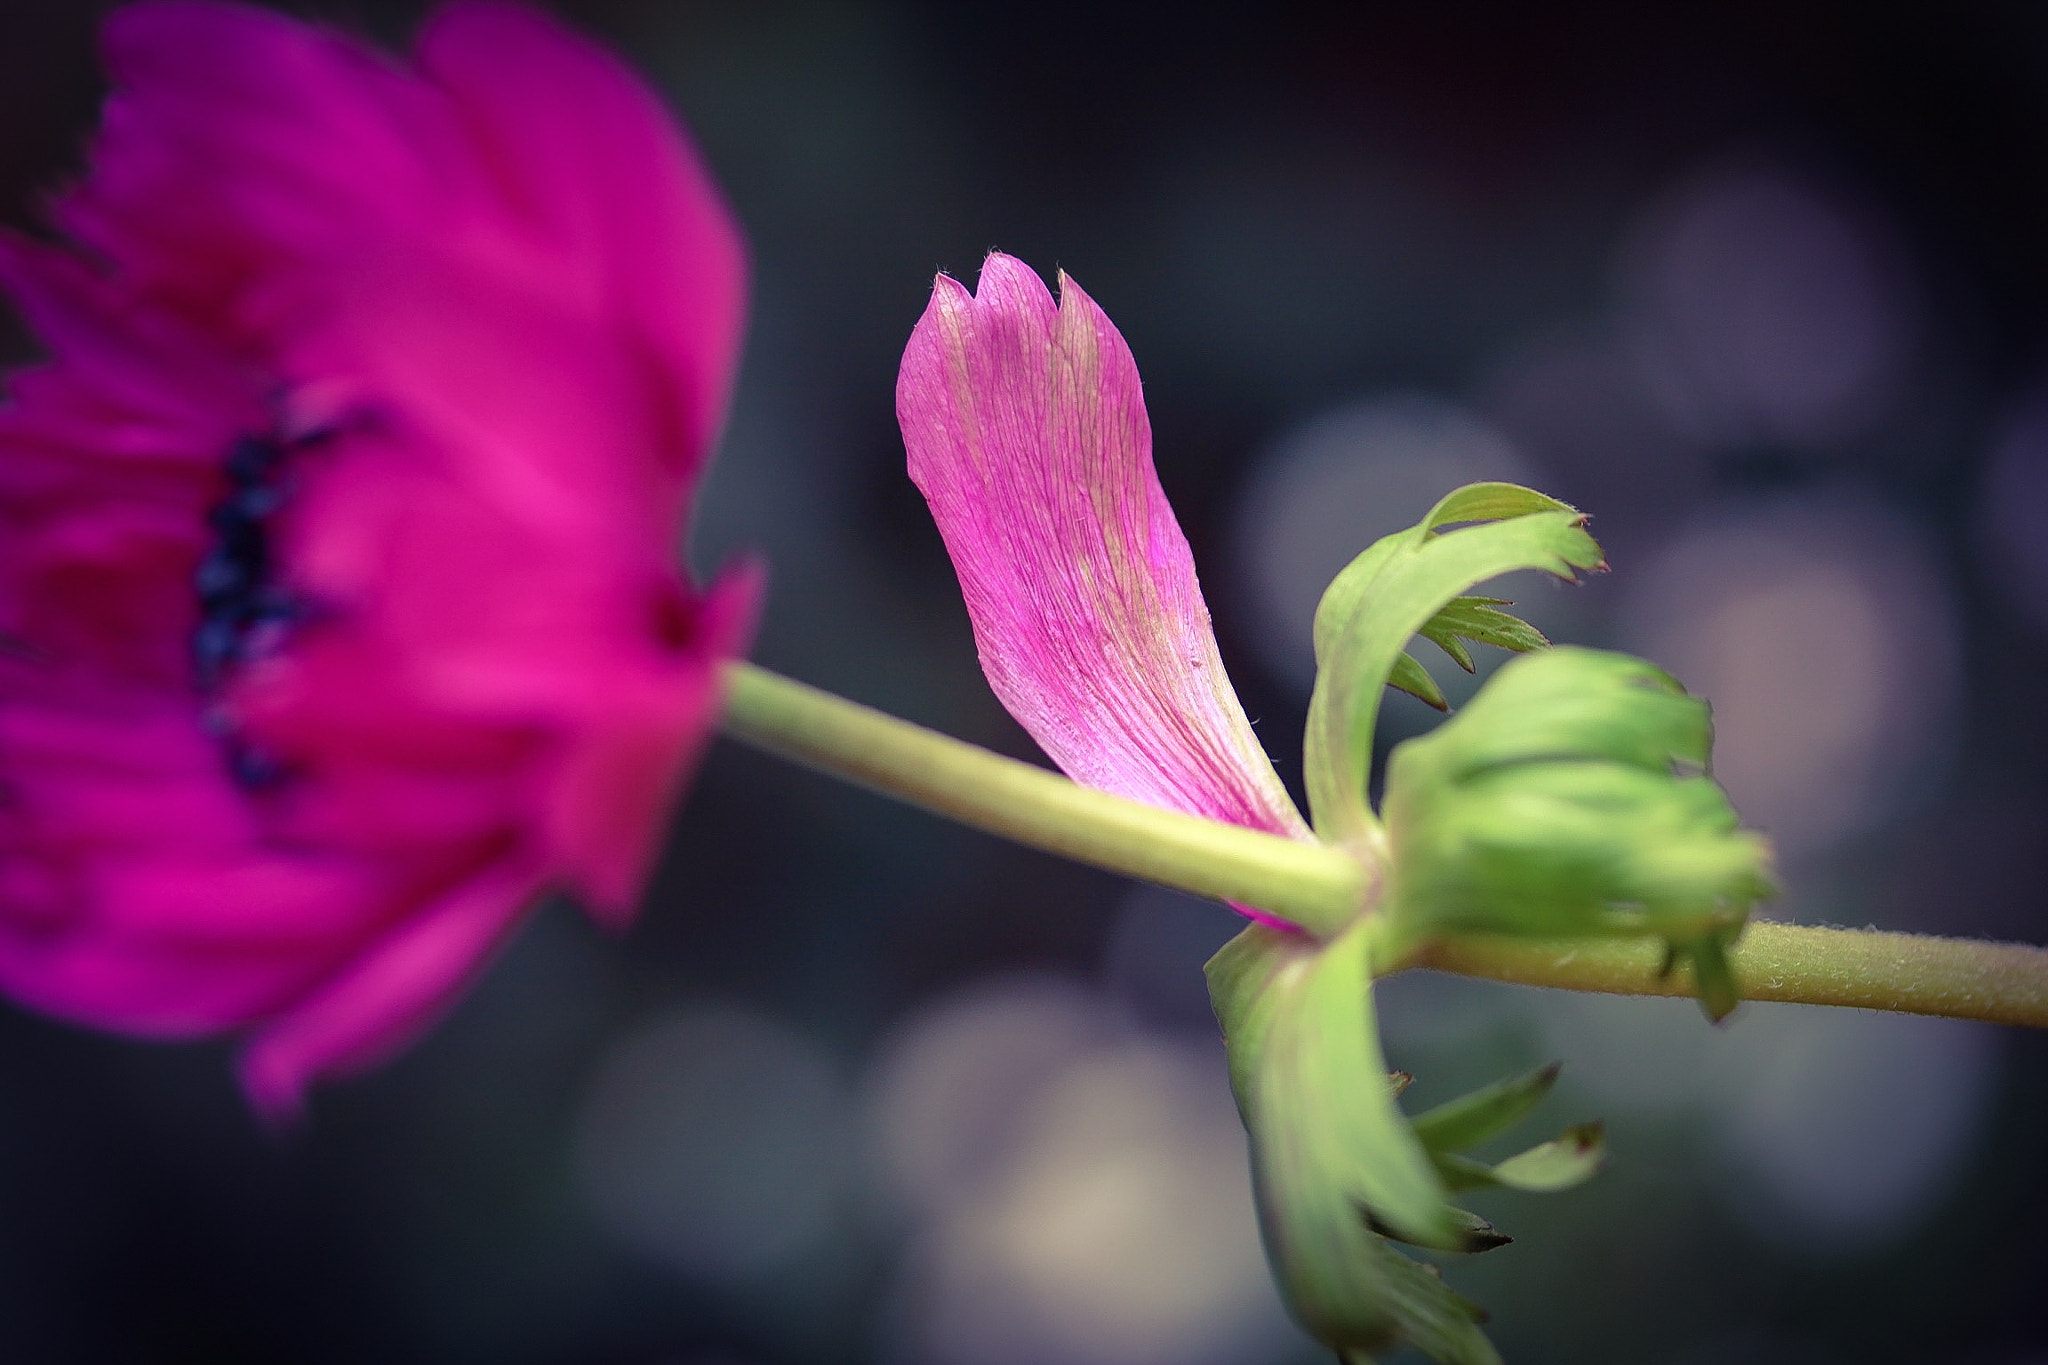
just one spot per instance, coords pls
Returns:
(337, 532)
(1026, 430)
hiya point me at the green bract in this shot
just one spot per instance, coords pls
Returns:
(1569, 799)
(1340, 1173)
(1411, 583)
(1334, 1163)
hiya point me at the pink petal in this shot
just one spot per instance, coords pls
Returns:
(109, 587)
(451, 356)
(138, 893)
(239, 143)
(587, 150)
(389, 994)
(487, 302)
(134, 385)
(619, 781)
(1027, 433)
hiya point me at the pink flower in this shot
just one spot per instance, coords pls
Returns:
(1027, 434)
(337, 536)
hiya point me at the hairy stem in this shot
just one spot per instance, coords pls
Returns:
(1316, 887)
(2004, 983)
(1322, 888)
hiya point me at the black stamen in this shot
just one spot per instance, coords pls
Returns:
(253, 459)
(222, 580)
(242, 614)
(215, 645)
(252, 768)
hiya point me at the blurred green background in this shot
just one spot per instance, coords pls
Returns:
(1761, 285)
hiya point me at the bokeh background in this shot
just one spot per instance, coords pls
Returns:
(1764, 286)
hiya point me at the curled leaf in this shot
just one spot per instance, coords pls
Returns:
(1399, 587)
(1411, 677)
(1570, 1159)
(1469, 1120)
(1480, 620)
(1335, 1167)
(1571, 797)
(1474, 1233)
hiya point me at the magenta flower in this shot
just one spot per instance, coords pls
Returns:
(337, 535)
(1027, 434)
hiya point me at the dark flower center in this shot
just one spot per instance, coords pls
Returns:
(243, 614)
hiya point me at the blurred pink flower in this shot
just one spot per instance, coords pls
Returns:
(338, 534)
(1026, 428)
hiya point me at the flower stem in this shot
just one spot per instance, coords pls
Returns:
(1314, 886)
(2003, 983)
(1322, 888)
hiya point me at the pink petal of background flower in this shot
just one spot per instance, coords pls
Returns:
(489, 301)
(1027, 434)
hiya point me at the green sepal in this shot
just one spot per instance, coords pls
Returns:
(1479, 1234)
(1487, 502)
(1332, 1156)
(1411, 677)
(1305, 1063)
(1480, 620)
(1458, 1125)
(1463, 1123)
(1566, 1161)
(1569, 702)
(1398, 588)
(1433, 1318)
(1475, 1234)
(1571, 797)
(1713, 976)
(1464, 618)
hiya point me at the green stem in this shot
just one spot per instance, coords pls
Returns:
(1314, 886)
(1322, 888)
(2003, 983)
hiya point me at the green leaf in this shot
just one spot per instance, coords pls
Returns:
(1573, 703)
(1479, 620)
(1446, 640)
(1339, 1174)
(1570, 797)
(1429, 1315)
(1713, 975)
(1394, 590)
(1489, 502)
(1305, 1060)
(1412, 678)
(1471, 1119)
(1332, 1158)
(1480, 1235)
(1475, 1234)
(1437, 1320)
(1568, 1160)
(1463, 618)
